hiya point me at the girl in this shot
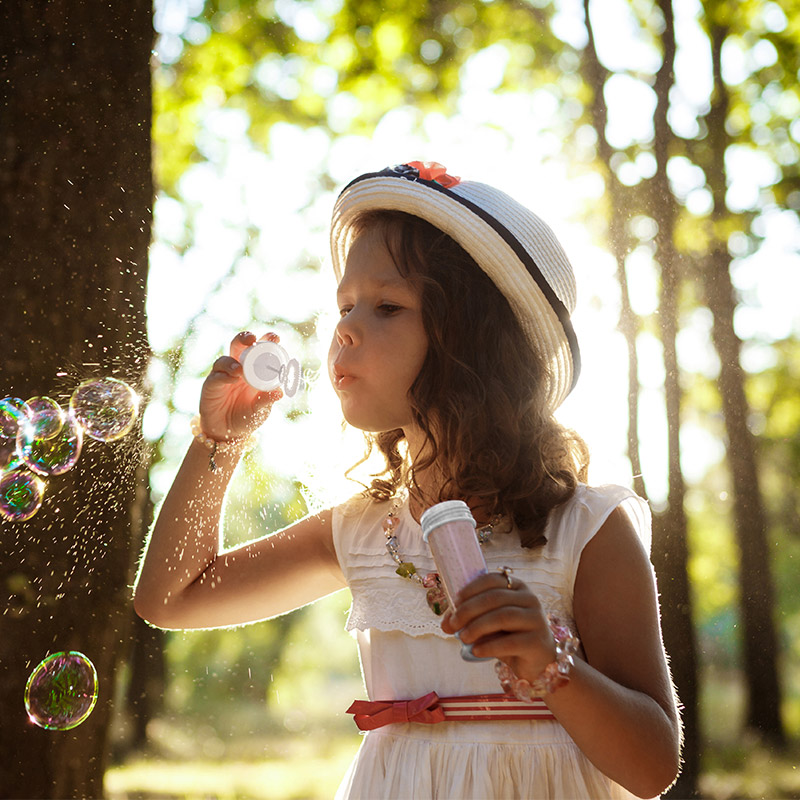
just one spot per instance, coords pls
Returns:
(453, 350)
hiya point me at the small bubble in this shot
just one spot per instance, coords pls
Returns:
(13, 413)
(21, 494)
(107, 408)
(62, 691)
(46, 417)
(54, 455)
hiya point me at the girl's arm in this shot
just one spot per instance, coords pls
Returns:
(185, 579)
(619, 706)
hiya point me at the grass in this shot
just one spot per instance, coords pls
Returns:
(309, 766)
(250, 753)
(750, 772)
(289, 768)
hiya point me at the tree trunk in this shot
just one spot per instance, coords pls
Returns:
(619, 242)
(670, 535)
(670, 551)
(757, 600)
(75, 198)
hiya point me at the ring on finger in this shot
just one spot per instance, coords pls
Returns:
(506, 572)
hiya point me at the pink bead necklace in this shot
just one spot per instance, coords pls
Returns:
(435, 595)
(554, 675)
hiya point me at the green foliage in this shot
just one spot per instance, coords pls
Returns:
(340, 66)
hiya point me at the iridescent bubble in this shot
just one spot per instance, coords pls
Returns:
(9, 457)
(107, 408)
(46, 417)
(21, 494)
(51, 456)
(13, 414)
(62, 691)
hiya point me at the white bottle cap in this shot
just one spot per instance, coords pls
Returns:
(264, 365)
(447, 511)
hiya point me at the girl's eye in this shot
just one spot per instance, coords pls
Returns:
(343, 312)
(389, 308)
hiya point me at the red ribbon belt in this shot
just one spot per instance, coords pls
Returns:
(430, 709)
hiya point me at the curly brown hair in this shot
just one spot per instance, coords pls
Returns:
(479, 397)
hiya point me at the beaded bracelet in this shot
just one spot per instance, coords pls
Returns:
(242, 444)
(552, 677)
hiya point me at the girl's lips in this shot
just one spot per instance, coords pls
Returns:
(341, 378)
(343, 381)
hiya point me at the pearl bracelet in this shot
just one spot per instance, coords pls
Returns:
(241, 444)
(552, 677)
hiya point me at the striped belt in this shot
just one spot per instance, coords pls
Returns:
(430, 709)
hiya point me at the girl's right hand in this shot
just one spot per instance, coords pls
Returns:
(229, 407)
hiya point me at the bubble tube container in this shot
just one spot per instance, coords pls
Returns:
(449, 530)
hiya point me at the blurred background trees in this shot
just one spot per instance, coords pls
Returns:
(661, 140)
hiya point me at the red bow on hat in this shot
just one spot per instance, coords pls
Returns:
(375, 714)
(434, 171)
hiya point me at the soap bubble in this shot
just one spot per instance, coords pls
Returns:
(9, 457)
(62, 691)
(13, 414)
(46, 417)
(107, 408)
(51, 456)
(21, 494)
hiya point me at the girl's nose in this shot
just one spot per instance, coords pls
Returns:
(348, 330)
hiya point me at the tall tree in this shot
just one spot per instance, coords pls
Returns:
(654, 199)
(75, 197)
(757, 601)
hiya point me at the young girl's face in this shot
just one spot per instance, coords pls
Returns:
(380, 343)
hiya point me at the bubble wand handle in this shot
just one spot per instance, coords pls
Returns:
(266, 366)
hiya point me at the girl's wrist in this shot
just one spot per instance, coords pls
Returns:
(555, 675)
(215, 447)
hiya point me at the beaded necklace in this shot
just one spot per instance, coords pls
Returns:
(554, 675)
(435, 595)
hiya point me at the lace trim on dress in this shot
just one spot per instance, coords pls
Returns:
(388, 605)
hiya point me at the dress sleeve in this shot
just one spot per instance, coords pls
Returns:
(586, 515)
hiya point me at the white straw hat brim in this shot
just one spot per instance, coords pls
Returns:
(516, 249)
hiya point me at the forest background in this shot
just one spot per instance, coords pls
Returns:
(659, 139)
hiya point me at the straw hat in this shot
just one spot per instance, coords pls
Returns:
(515, 248)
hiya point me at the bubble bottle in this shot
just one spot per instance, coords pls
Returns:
(449, 530)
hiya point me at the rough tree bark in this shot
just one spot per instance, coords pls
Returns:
(75, 198)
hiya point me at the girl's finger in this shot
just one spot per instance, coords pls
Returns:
(268, 398)
(483, 583)
(506, 620)
(247, 339)
(477, 605)
(241, 342)
(227, 366)
(516, 645)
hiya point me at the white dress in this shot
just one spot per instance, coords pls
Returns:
(404, 655)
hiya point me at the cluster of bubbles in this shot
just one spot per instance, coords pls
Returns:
(62, 691)
(39, 438)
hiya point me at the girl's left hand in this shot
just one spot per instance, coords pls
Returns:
(503, 619)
